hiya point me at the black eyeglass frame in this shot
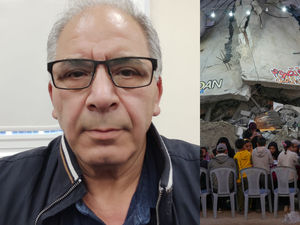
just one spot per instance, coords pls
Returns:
(104, 62)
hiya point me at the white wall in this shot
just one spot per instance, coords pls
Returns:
(24, 26)
(178, 25)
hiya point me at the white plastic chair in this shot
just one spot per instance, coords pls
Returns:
(223, 179)
(254, 189)
(282, 188)
(204, 192)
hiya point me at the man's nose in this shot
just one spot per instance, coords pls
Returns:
(102, 94)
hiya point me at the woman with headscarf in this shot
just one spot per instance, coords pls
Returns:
(225, 141)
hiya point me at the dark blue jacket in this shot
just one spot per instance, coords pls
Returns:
(36, 185)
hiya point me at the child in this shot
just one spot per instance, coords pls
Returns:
(243, 160)
(261, 156)
(248, 145)
(204, 153)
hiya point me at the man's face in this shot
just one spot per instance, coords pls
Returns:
(104, 124)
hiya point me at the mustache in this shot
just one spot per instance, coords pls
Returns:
(104, 123)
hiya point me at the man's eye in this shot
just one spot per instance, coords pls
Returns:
(73, 75)
(128, 73)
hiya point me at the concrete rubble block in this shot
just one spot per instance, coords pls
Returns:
(297, 120)
(291, 123)
(277, 106)
(268, 135)
(264, 109)
(240, 13)
(295, 109)
(210, 132)
(271, 136)
(255, 110)
(240, 131)
(245, 113)
(256, 7)
(272, 1)
(242, 106)
(244, 121)
(285, 130)
(288, 112)
(294, 134)
(287, 115)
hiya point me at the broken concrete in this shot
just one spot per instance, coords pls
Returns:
(250, 69)
(220, 75)
(255, 49)
(282, 124)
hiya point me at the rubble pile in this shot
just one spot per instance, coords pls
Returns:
(276, 121)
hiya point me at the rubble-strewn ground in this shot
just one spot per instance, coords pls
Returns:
(278, 121)
(254, 218)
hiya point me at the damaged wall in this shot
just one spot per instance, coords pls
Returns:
(220, 73)
(245, 50)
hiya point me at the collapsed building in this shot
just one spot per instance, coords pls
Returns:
(250, 69)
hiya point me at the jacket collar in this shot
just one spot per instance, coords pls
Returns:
(69, 161)
(166, 180)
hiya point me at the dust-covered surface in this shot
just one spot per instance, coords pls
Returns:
(210, 132)
(254, 218)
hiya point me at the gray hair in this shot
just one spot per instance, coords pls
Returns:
(126, 6)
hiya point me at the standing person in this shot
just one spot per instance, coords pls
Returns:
(243, 160)
(273, 147)
(110, 166)
(224, 140)
(295, 148)
(252, 133)
(288, 158)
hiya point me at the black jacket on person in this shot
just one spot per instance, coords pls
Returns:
(36, 185)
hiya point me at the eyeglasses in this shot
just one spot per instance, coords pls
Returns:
(126, 72)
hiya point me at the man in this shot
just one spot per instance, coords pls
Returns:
(111, 166)
(220, 161)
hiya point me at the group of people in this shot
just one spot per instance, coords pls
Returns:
(251, 151)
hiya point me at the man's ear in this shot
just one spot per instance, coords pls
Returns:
(50, 89)
(156, 111)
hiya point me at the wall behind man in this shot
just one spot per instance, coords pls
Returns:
(178, 26)
(24, 98)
